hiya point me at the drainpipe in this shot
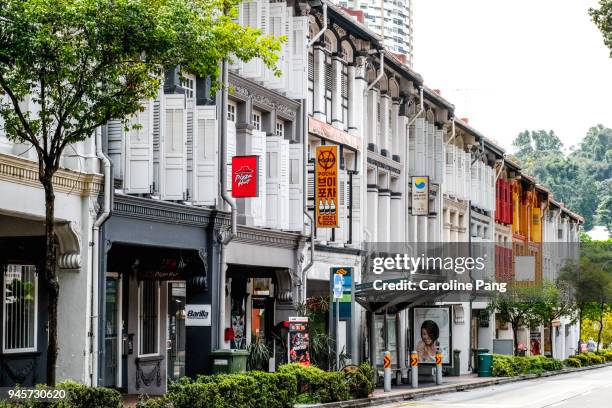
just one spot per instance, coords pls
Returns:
(95, 270)
(407, 152)
(226, 198)
(301, 295)
(381, 72)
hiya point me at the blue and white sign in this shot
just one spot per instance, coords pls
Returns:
(338, 285)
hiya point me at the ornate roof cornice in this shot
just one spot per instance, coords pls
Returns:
(269, 237)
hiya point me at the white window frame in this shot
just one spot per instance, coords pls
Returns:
(256, 120)
(231, 112)
(140, 288)
(188, 82)
(34, 348)
(280, 128)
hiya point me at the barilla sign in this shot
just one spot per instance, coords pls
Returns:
(244, 176)
(197, 315)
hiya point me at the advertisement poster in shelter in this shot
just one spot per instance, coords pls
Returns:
(298, 341)
(431, 330)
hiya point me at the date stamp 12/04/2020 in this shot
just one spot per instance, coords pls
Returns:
(32, 394)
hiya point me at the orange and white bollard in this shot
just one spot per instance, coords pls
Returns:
(438, 367)
(414, 369)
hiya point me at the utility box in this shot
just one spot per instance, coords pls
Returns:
(229, 361)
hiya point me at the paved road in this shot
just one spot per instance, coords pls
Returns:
(586, 389)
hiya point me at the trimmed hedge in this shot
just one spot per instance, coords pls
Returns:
(510, 366)
(292, 383)
(78, 396)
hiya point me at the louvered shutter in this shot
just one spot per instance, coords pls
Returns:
(296, 219)
(252, 17)
(431, 150)
(139, 152)
(231, 152)
(192, 159)
(258, 204)
(114, 133)
(449, 169)
(474, 177)
(276, 19)
(174, 172)
(421, 155)
(439, 154)
(273, 158)
(460, 183)
(298, 85)
(284, 185)
(157, 156)
(206, 156)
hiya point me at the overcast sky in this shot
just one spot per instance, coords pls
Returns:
(515, 65)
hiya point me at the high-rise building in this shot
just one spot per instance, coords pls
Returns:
(397, 24)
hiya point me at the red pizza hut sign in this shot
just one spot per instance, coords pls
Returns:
(244, 176)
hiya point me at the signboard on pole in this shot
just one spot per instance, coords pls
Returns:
(326, 187)
(338, 286)
(298, 341)
(244, 176)
(420, 195)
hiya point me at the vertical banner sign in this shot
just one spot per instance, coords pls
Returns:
(326, 177)
(420, 195)
(244, 176)
(298, 341)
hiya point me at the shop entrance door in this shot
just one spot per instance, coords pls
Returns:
(111, 332)
(176, 329)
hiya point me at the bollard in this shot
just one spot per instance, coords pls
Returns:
(414, 369)
(438, 367)
(387, 365)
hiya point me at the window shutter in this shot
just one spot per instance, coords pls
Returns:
(439, 177)
(139, 152)
(296, 218)
(284, 185)
(431, 148)
(273, 158)
(421, 155)
(157, 157)
(174, 137)
(206, 156)
(192, 159)
(252, 11)
(258, 204)
(231, 151)
(276, 18)
(114, 132)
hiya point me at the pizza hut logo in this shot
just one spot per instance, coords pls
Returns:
(244, 176)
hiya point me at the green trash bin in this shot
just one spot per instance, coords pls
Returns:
(475, 354)
(485, 365)
(229, 361)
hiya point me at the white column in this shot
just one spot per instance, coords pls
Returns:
(337, 92)
(372, 117)
(396, 217)
(355, 95)
(384, 210)
(372, 213)
(385, 105)
(319, 82)
(394, 145)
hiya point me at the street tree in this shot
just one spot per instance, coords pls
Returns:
(555, 301)
(602, 17)
(82, 63)
(517, 306)
(590, 278)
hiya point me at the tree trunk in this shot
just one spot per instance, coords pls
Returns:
(50, 275)
(601, 316)
(515, 338)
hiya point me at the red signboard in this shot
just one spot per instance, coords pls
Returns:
(244, 176)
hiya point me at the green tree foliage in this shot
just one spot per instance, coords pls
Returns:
(590, 328)
(84, 62)
(590, 279)
(517, 306)
(602, 17)
(581, 179)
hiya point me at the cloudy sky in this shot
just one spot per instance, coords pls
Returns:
(515, 65)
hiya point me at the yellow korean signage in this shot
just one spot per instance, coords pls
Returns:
(326, 185)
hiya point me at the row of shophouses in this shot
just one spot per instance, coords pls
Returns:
(143, 229)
